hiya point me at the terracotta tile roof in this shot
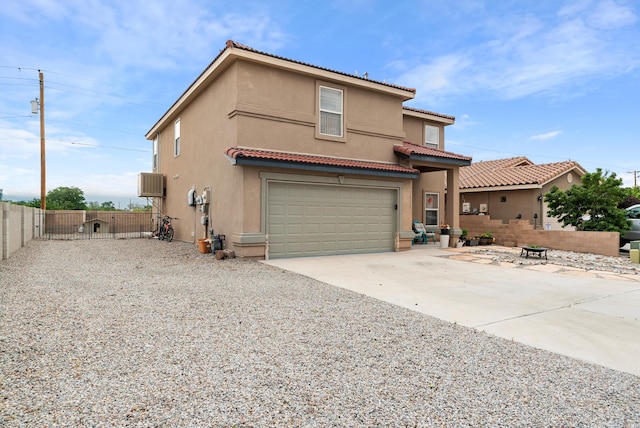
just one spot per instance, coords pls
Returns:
(301, 160)
(409, 149)
(417, 110)
(232, 44)
(517, 171)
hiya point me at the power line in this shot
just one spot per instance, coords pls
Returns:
(97, 127)
(81, 90)
(111, 147)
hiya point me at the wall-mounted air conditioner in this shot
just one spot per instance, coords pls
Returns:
(466, 207)
(150, 185)
(483, 208)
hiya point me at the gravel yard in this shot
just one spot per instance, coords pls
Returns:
(146, 333)
(583, 261)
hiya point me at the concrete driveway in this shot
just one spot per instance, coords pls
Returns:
(575, 314)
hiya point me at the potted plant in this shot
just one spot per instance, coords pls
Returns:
(462, 239)
(485, 238)
(444, 235)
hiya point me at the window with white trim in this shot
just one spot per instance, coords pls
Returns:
(331, 107)
(431, 209)
(156, 142)
(431, 136)
(176, 139)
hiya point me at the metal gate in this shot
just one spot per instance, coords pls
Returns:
(76, 225)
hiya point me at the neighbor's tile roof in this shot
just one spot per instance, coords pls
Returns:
(517, 171)
(409, 149)
(306, 159)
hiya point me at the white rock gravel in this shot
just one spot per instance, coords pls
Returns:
(145, 333)
(583, 261)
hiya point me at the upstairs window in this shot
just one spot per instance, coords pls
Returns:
(331, 106)
(176, 140)
(431, 136)
(155, 151)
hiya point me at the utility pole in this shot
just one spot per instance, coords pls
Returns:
(43, 168)
(38, 105)
(635, 177)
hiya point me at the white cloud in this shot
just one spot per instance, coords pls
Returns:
(463, 122)
(444, 75)
(517, 56)
(545, 136)
(161, 35)
(608, 14)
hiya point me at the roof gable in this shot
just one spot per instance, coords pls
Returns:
(233, 51)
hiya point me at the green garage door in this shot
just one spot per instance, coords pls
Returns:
(312, 220)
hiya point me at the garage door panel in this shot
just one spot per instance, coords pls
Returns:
(310, 219)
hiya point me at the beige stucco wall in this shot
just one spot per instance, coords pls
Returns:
(18, 226)
(205, 131)
(414, 129)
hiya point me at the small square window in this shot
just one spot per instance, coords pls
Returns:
(431, 136)
(503, 199)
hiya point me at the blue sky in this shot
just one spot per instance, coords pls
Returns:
(548, 79)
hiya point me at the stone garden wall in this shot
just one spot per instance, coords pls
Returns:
(519, 233)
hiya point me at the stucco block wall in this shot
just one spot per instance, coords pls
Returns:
(17, 227)
(518, 233)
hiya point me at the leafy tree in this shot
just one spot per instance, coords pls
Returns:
(139, 208)
(66, 198)
(592, 205)
(34, 203)
(105, 206)
(632, 197)
(629, 201)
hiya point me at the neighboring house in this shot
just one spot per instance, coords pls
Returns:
(513, 188)
(288, 159)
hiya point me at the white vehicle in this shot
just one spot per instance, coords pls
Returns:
(633, 214)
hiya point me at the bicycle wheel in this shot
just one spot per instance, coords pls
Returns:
(170, 234)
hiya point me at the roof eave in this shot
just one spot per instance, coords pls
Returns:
(434, 159)
(501, 188)
(449, 120)
(274, 163)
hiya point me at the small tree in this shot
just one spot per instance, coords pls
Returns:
(34, 203)
(632, 197)
(66, 198)
(104, 206)
(592, 205)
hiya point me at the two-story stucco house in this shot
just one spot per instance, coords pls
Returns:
(289, 159)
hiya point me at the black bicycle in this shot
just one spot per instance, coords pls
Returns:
(166, 229)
